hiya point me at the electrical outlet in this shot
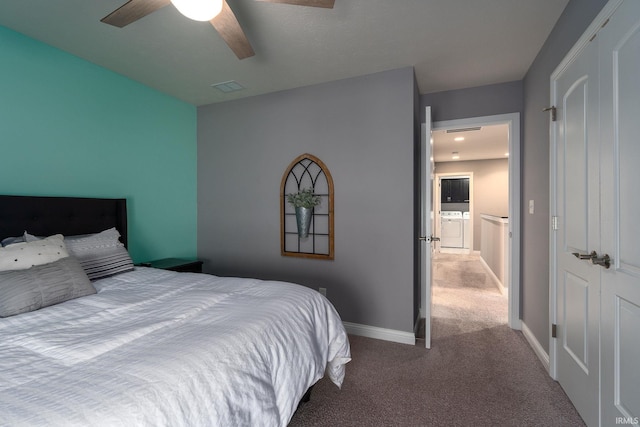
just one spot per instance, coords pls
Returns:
(323, 291)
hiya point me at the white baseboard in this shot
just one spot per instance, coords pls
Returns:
(535, 345)
(380, 333)
(503, 290)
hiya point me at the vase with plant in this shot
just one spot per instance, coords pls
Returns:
(304, 201)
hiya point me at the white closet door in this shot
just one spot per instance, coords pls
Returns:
(620, 154)
(578, 211)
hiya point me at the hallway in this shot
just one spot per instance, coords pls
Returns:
(465, 296)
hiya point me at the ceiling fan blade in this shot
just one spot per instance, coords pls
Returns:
(312, 3)
(229, 28)
(133, 10)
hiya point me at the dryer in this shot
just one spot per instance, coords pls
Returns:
(451, 232)
(466, 230)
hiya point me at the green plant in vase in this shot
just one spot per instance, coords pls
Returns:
(303, 201)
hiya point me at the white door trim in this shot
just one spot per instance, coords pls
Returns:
(513, 122)
(591, 30)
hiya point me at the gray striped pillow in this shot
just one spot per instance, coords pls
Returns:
(101, 255)
(41, 286)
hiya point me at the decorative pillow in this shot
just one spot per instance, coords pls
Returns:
(42, 286)
(11, 240)
(20, 256)
(100, 254)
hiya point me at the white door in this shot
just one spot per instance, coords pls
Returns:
(620, 173)
(578, 211)
(426, 203)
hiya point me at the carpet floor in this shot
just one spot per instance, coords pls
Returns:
(479, 372)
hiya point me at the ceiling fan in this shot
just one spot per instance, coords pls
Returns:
(217, 12)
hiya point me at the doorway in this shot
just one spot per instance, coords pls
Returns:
(453, 201)
(512, 269)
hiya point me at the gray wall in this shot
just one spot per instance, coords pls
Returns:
(363, 129)
(480, 101)
(535, 169)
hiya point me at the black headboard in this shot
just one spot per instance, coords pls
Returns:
(69, 216)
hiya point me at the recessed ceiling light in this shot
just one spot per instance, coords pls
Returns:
(459, 138)
(226, 87)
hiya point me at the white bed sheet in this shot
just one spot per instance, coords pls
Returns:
(158, 348)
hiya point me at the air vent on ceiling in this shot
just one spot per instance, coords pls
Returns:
(463, 130)
(226, 87)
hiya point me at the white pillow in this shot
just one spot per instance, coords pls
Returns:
(21, 256)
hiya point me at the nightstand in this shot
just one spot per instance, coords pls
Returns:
(176, 264)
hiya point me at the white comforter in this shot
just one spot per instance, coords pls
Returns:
(158, 348)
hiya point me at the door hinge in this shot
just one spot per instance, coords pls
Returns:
(554, 331)
(554, 222)
(553, 110)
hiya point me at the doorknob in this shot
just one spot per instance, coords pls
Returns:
(603, 261)
(429, 239)
(592, 255)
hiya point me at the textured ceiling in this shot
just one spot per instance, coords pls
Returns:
(452, 44)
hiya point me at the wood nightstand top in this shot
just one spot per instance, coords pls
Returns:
(176, 264)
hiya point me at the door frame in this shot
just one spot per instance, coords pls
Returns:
(586, 37)
(512, 120)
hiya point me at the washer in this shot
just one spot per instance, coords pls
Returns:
(451, 233)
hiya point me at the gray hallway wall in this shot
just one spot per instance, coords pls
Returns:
(535, 169)
(363, 130)
(490, 100)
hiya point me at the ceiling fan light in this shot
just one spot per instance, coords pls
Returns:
(199, 10)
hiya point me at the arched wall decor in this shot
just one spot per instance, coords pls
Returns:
(307, 171)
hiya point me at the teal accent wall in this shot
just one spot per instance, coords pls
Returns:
(69, 127)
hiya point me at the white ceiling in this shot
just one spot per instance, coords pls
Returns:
(452, 44)
(490, 142)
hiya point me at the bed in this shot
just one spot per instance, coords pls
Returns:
(153, 347)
